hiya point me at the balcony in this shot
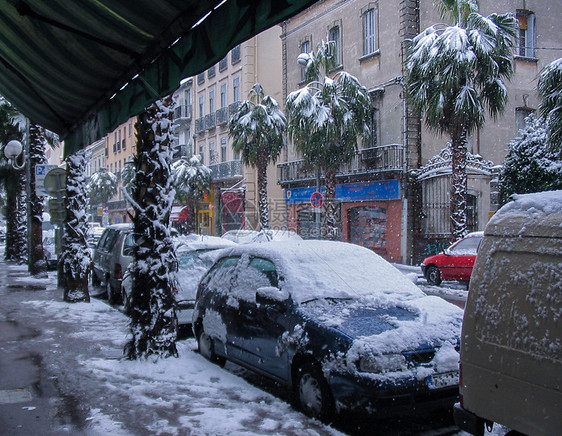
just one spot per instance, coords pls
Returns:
(233, 107)
(226, 170)
(368, 161)
(210, 121)
(183, 111)
(222, 116)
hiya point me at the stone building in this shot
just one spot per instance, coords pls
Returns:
(394, 196)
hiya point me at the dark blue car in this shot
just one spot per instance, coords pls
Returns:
(334, 321)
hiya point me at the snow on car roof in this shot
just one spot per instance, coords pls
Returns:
(320, 269)
(537, 214)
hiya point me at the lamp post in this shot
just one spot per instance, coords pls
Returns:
(12, 150)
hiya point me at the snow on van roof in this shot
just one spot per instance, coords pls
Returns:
(320, 269)
(539, 214)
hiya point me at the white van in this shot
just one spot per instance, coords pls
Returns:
(511, 342)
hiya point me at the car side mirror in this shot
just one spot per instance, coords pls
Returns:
(272, 296)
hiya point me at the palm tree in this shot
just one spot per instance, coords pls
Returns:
(550, 108)
(257, 129)
(326, 119)
(102, 186)
(455, 75)
(153, 322)
(75, 260)
(14, 183)
(191, 181)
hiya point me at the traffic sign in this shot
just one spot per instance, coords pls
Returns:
(40, 173)
(55, 182)
(316, 200)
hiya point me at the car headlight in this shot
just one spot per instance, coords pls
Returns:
(382, 363)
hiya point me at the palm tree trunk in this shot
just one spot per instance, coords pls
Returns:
(76, 256)
(262, 192)
(153, 321)
(37, 262)
(331, 225)
(458, 184)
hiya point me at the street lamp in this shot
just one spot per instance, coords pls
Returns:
(12, 150)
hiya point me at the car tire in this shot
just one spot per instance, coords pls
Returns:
(313, 393)
(207, 348)
(433, 275)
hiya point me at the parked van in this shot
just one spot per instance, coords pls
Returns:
(511, 342)
(112, 256)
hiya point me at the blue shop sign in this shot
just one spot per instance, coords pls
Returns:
(349, 192)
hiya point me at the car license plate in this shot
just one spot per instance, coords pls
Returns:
(443, 380)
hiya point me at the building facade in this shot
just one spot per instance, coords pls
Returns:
(217, 92)
(120, 148)
(394, 196)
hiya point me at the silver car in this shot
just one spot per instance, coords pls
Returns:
(112, 256)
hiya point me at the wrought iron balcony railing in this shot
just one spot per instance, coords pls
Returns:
(226, 170)
(373, 160)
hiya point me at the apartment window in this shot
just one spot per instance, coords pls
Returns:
(235, 54)
(223, 64)
(236, 89)
(200, 78)
(223, 95)
(334, 34)
(369, 32)
(526, 43)
(212, 153)
(211, 72)
(211, 101)
(130, 128)
(202, 153)
(521, 113)
(305, 48)
(223, 149)
(201, 106)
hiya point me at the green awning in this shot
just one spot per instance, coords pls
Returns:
(82, 67)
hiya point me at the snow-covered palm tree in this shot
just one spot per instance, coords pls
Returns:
(192, 180)
(455, 76)
(75, 260)
(326, 119)
(153, 321)
(550, 108)
(258, 132)
(102, 186)
(14, 183)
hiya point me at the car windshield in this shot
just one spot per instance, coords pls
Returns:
(466, 246)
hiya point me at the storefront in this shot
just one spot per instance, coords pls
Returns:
(232, 210)
(370, 214)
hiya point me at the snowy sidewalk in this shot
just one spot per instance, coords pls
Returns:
(77, 349)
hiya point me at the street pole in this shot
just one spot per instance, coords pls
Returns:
(28, 192)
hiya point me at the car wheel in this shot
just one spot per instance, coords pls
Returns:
(313, 392)
(433, 275)
(207, 348)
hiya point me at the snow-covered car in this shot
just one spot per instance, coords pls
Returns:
(195, 256)
(455, 263)
(244, 236)
(335, 322)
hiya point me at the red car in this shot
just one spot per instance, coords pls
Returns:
(455, 263)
